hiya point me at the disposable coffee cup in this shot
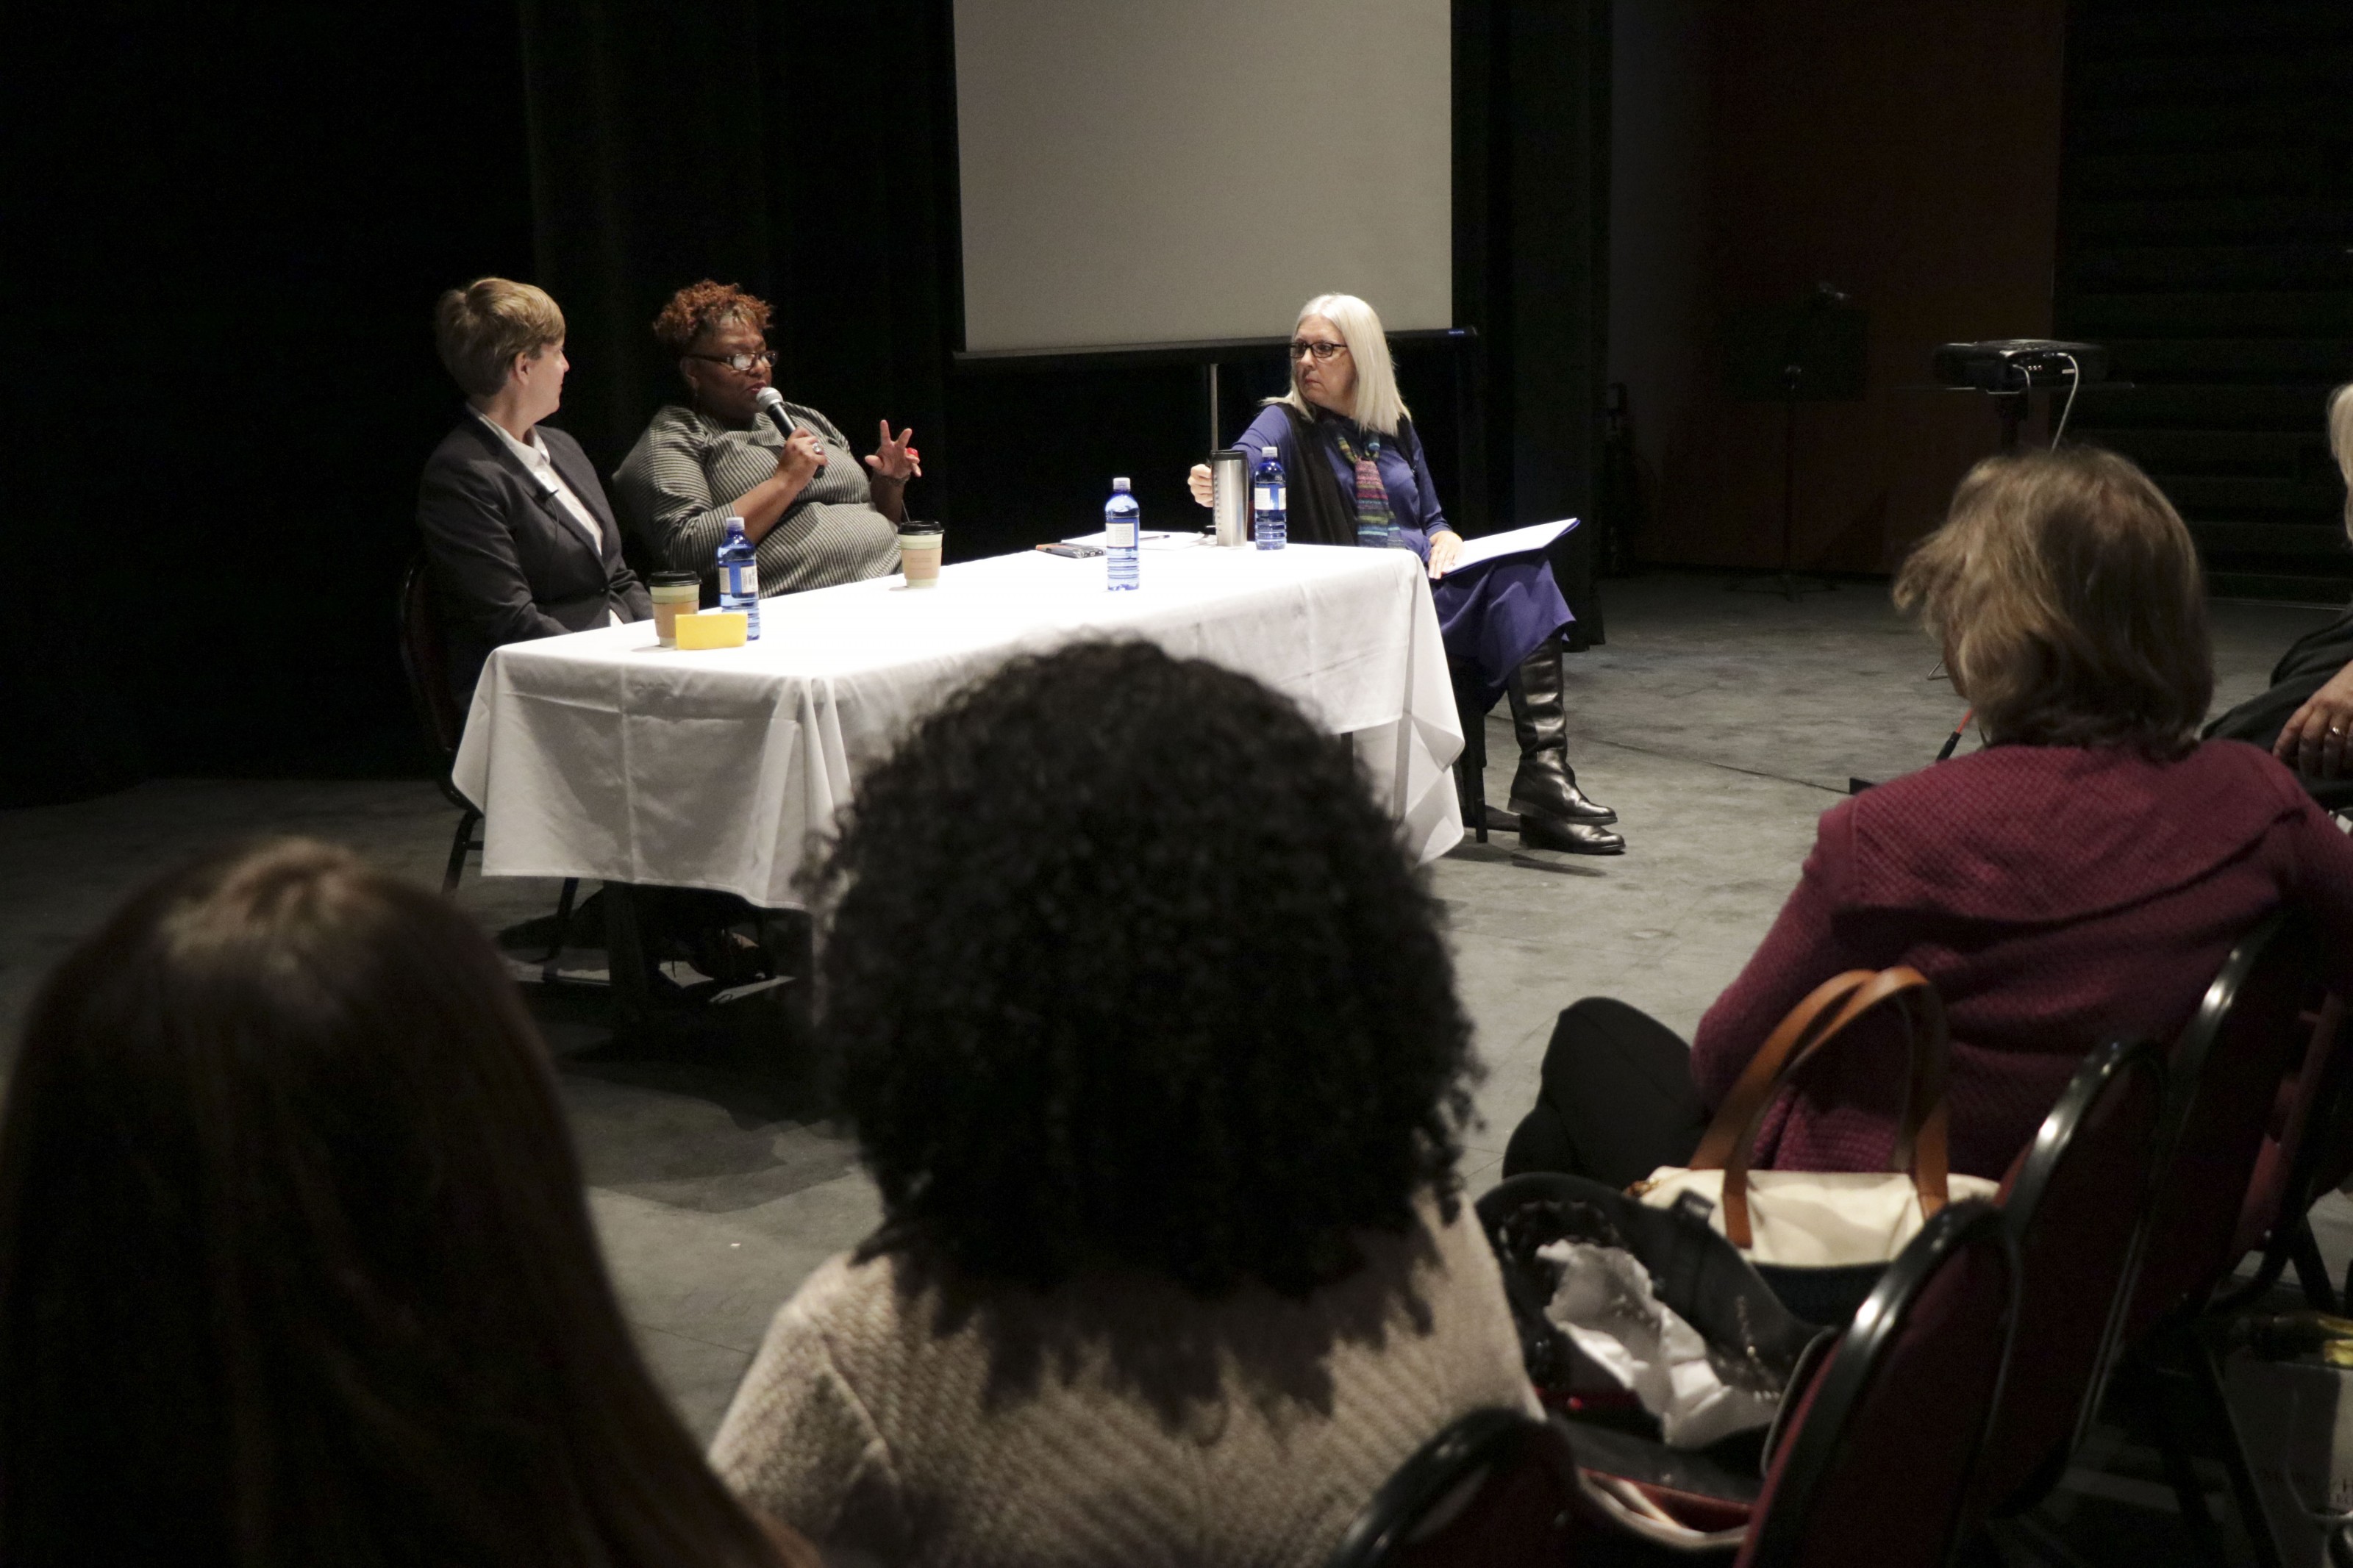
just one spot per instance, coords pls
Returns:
(919, 553)
(675, 594)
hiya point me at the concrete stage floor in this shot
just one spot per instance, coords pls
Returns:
(1720, 726)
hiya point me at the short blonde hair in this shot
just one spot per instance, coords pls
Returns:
(2340, 442)
(1378, 406)
(2067, 595)
(481, 329)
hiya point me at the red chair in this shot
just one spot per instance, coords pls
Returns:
(1496, 1489)
(2077, 1205)
(2252, 1031)
(2310, 1153)
(1876, 1466)
(2249, 1035)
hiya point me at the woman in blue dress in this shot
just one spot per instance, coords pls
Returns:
(1358, 476)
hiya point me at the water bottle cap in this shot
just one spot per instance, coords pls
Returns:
(735, 525)
(1118, 485)
(1268, 451)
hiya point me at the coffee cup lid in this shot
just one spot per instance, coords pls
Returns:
(673, 579)
(919, 528)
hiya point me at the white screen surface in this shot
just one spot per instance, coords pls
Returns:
(1167, 171)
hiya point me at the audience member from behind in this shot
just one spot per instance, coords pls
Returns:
(294, 1263)
(2080, 878)
(815, 517)
(516, 526)
(1150, 1040)
(2306, 719)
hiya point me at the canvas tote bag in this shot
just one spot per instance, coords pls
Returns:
(1822, 1238)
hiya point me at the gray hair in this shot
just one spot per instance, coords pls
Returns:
(1378, 406)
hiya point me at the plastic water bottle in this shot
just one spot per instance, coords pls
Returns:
(739, 576)
(1121, 519)
(1269, 522)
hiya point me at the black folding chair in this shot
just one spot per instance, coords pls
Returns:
(425, 657)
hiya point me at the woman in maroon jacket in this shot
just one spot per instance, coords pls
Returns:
(2082, 878)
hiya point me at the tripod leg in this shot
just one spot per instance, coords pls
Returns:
(1789, 498)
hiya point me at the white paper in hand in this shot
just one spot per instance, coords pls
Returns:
(1529, 541)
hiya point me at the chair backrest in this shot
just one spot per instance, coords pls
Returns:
(2309, 1152)
(1497, 1488)
(2076, 1209)
(1877, 1464)
(2224, 1080)
(425, 657)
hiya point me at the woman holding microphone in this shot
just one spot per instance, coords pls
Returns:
(815, 517)
(1358, 475)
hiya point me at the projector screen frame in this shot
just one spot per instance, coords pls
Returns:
(1102, 147)
(1205, 352)
(1465, 360)
(1514, 443)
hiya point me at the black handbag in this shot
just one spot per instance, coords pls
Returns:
(1689, 1499)
(1695, 1272)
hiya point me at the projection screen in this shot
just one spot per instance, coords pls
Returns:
(1139, 172)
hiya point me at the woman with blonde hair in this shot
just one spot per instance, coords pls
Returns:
(1358, 475)
(516, 527)
(2080, 878)
(2305, 718)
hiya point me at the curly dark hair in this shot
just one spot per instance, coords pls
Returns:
(1127, 970)
(700, 307)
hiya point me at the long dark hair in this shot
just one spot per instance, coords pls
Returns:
(295, 1264)
(1128, 971)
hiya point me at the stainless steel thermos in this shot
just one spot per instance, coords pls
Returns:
(1229, 492)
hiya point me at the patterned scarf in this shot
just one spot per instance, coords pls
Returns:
(1376, 527)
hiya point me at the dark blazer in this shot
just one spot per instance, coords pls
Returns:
(509, 560)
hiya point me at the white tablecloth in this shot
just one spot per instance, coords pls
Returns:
(602, 755)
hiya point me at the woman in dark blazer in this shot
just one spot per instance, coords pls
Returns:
(521, 540)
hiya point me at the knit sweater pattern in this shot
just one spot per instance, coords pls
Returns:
(1115, 1421)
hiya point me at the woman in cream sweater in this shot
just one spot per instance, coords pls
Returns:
(1150, 1039)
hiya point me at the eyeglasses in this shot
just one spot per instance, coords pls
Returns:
(1320, 351)
(742, 363)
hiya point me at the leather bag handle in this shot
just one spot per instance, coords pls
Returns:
(1921, 1141)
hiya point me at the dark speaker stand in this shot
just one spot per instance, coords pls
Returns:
(1785, 582)
(1821, 359)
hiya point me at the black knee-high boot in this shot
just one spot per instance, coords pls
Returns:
(1554, 813)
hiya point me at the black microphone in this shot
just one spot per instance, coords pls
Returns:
(769, 398)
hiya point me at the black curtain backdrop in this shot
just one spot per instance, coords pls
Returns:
(1531, 266)
(228, 226)
(223, 366)
(796, 150)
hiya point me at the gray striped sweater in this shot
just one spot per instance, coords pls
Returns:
(676, 490)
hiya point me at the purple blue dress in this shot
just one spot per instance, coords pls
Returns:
(1491, 615)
